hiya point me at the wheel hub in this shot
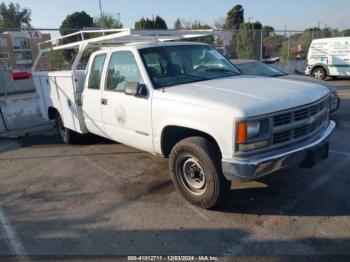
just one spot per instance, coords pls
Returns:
(192, 176)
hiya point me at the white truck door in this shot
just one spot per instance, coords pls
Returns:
(91, 96)
(127, 119)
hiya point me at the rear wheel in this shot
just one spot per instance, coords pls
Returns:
(68, 136)
(319, 73)
(196, 172)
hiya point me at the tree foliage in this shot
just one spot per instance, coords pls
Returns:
(13, 16)
(73, 23)
(178, 24)
(76, 22)
(197, 25)
(346, 32)
(268, 31)
(146, 23)
(235, 17)
(248, 40)
(56, 59)
(108, 21)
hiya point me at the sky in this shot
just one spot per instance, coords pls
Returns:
(293, 14)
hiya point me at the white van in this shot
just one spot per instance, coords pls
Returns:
(329, 57)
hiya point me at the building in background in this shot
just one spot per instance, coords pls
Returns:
(18, 49)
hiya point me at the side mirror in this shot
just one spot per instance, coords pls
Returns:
(135, 89)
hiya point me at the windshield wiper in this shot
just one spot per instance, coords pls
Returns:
(222, 70)
(198, 77)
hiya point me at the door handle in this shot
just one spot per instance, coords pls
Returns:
(104, 101)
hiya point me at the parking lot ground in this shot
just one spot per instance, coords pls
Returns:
(102, 198)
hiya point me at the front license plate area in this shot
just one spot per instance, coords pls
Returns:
(315, 155)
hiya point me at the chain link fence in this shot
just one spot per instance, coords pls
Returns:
(286, 49)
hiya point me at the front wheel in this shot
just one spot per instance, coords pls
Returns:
(195, 170)
(319, 73)
(68, 136)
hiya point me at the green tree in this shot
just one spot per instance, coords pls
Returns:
(108, 21)
(177, 24)
(235, 17)
(346, 32)
(197, 25)
(76, 22)
(157, 23)
(13, 16)
(267, 30)
(327, 32)
(272, 45)
(56, 59)
(248, 40)
(284, 51)
(160, 23)
(73, 23)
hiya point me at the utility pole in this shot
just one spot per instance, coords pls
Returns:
(250, 18)
(101, 13)
(261, 45)
(319, 24)
(288, 47)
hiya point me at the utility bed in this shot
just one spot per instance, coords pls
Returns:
(57, 90)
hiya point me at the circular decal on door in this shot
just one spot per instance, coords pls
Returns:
(120, 115)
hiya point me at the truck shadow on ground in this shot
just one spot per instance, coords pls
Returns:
(50, 139)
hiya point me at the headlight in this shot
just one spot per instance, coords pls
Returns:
(253, 129)
(252, 134)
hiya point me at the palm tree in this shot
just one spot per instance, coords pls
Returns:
(13, 16)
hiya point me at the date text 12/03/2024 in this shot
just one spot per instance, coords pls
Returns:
(172, 258)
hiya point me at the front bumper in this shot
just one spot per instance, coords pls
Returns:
(251, 169)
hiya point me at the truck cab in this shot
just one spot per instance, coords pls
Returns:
(187, 102)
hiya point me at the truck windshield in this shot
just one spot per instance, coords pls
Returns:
(182, 64)
(259, 69)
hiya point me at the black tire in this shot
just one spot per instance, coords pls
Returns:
(200, 158)
(68, 136)
(319, 73)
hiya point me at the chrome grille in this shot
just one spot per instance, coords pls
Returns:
(299, 123)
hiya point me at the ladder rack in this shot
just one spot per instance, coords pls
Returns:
(120, 37)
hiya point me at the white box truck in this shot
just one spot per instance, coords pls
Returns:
(185, 101)
(329, 57)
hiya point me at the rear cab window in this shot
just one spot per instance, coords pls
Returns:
(96, 71)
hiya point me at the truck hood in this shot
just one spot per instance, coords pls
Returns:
(246, 96)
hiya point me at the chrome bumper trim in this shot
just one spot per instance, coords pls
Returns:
(250, 169)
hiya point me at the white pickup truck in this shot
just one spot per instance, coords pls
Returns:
(185, 101)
